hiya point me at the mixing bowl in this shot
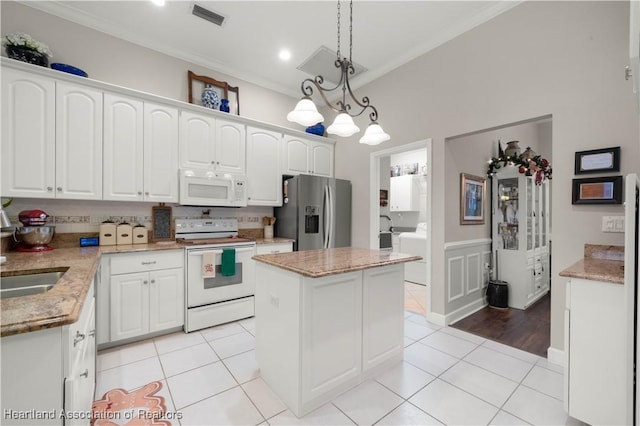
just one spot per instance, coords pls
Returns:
(34, 235)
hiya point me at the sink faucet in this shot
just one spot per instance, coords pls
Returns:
(390, 222)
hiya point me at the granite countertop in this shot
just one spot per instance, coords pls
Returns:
(320, 263)
(275, 240)
(600, 263)
(62, 304)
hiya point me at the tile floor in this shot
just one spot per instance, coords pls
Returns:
(447, 377)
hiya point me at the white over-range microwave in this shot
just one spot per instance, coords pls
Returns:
(211, 189)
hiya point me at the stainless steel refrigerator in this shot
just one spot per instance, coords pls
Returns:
(316, 212)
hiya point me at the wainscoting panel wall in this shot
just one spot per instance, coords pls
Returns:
(466, 277)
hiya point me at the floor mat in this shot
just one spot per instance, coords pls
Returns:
(139, 407)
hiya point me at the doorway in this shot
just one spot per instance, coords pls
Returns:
(527, 329)
(414, 165)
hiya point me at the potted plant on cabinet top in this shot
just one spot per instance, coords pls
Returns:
(25, 48)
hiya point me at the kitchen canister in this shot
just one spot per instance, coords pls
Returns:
(107, 234)
(140, 235)
(124, 234)
(268, 232)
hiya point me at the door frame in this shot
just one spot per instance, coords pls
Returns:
(374, 197)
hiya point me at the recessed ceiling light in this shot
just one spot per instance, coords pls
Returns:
(285, 55)
(158, 2)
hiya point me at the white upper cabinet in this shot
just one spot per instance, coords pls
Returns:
(404, 193)
(210, 143)
(160, 153)
(264, 176)
(305, 156)
(78, 142)
(230, 147)
(51, 138)
(123, 148)
(28, 135)
(197, 140)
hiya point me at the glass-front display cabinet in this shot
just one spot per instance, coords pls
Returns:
(520, 215)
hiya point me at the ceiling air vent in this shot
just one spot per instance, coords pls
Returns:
(208, 15)
(322, 62)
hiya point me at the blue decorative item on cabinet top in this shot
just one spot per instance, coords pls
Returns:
(224, 105)
(210, 97)
(317, 129)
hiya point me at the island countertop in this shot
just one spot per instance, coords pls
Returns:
(600, 263)
(323, 262)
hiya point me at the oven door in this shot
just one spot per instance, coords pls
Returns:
(204, 291)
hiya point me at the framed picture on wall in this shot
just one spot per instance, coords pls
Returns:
(472, 199)
(600, 190)
(598, 160)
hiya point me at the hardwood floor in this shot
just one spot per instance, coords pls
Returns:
(528, 330)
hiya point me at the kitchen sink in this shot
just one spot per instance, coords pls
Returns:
(31, 282)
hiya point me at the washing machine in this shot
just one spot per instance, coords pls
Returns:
(415, 243)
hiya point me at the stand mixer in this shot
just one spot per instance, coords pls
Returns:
(34, 235)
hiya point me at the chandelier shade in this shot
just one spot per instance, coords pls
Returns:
(374, 135)
(306, 113)
(343, 126)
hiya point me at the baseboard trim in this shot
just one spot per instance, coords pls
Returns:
(464, 311)
(555, 356)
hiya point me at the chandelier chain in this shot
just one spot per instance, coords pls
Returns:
(338, 30)
(350, 29)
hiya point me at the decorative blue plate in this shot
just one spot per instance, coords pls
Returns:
(68, 68)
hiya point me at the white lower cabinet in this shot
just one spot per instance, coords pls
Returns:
(146, 294)
(274, 248)
(595, 352)
(51, 372)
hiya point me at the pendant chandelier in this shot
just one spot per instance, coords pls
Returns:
(306, 113)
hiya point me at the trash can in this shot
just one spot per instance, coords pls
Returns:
(498, 294)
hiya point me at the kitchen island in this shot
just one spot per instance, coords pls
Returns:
(327, 320)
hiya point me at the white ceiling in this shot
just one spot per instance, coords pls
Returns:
(386, 34)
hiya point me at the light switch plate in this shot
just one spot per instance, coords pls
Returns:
(613, 224)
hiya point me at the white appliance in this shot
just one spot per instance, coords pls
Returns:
(632, 308)
(213, 298)
(208, 188)
(415, 243)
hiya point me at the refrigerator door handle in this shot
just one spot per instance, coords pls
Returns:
(325, 217)
(331, 218)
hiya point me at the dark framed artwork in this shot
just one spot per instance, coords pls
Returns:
(598, 161)
(600, 190)
(161, 223)
(472, 199)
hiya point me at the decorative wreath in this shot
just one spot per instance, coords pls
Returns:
(528, 163)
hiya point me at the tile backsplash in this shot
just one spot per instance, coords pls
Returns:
(86, 216)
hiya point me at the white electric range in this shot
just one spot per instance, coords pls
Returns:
(214, 296)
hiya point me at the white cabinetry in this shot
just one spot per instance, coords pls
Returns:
(140, 150)
(212, 143)
(306, 156)
(360, 313)
(404, 193)
(595, 352)
(51, 138)
(264, 173)
(50, 370)
(520, 235)
(274, 248)
(123, 148)
(160, 153)
(146, 293)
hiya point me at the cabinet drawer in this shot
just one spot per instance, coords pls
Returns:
(274, 248)
(126, 263)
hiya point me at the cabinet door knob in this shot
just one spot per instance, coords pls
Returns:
(85, 374)
(145, 282)
(49, 188)
(152, 262)
(139, 192)
(153, 281)
(92, 333)
(59, 188)
(146, 193)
